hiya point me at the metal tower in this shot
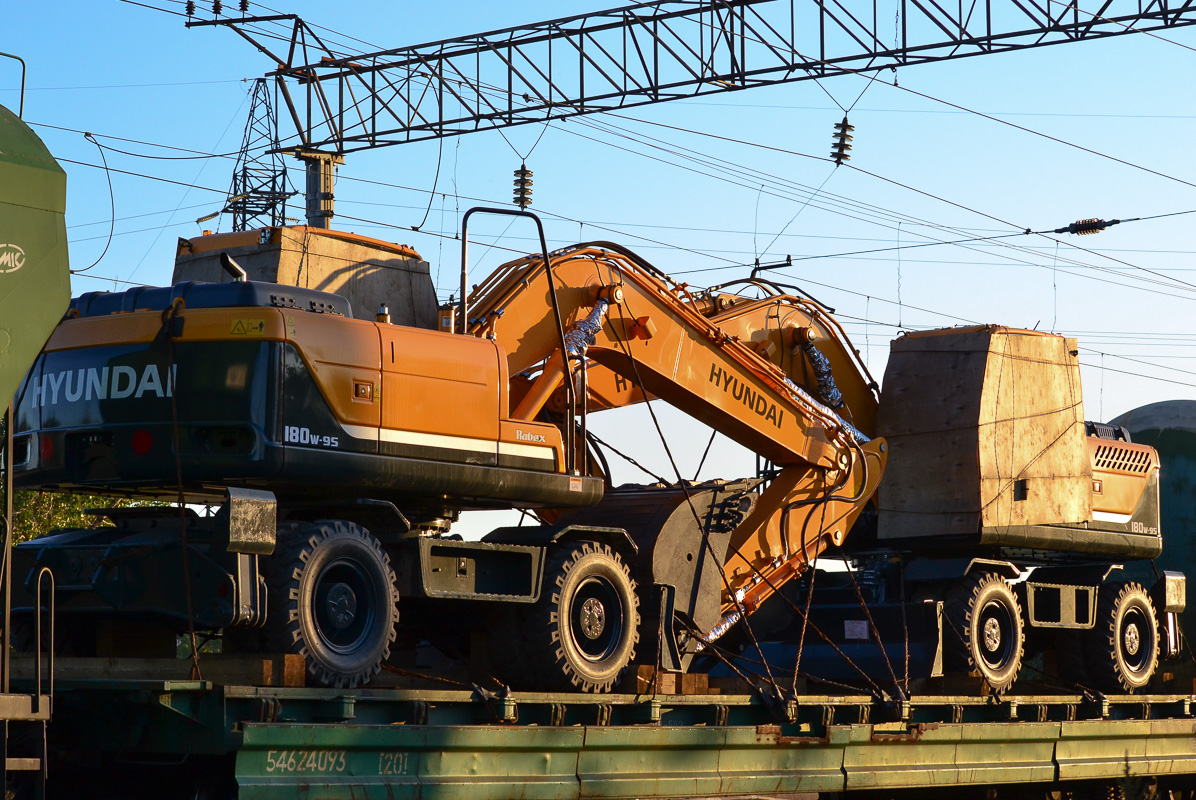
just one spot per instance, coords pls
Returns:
(648, 52)
(258, 195)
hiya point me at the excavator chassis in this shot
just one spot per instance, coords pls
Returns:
(122, 580)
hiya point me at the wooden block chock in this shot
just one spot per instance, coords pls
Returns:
(233, 669)
(665, 682)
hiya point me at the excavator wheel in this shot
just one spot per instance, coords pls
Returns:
(1122, 650)
(581, 634)
(982, 631)
(332, 599)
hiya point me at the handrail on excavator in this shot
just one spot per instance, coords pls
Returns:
(570, 394)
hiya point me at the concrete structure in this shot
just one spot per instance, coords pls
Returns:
(367, 272)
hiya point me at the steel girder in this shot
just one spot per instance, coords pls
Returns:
(647, 53)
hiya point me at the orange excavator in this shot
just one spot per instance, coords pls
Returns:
(339, 450)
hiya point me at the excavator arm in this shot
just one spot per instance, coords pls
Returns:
(723, 366)
(797, 334)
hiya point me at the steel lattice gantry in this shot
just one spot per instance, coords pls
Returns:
(649, 53)
(652, 52)
(258, 194)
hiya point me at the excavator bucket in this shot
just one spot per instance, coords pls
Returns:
(35, 285)
(682, 533)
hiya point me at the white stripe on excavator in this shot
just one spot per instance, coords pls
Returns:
(422, 439)
(1106, 516)
(526, 451)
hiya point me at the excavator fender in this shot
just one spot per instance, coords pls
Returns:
(934, 570)
(682, 533)
(617, 538)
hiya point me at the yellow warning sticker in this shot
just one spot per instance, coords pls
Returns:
(247, 327)
(290, 326)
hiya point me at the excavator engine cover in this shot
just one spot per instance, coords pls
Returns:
(986, 429)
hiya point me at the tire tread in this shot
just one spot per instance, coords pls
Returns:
(296, 542)
(1101, 651)
(525, 643)
(957, 627)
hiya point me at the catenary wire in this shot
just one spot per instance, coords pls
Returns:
(1165, 280)
(1162, 215)
(972, 210)
(199, 154)
(754, 144)
(111, 205)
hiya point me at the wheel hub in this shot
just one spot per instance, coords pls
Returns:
(1133, 639)
(342, 606)
(593, 618)
(992, 635)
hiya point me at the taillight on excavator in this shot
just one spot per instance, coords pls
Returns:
(142, 442)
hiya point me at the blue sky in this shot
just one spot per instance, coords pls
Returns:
(120, 70)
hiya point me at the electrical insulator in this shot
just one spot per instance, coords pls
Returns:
(217, 7)
(244, 7)
(191, 8)
(841, 141)
(1086, 227)
(523, 187)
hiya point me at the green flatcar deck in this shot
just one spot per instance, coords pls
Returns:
(292, 743)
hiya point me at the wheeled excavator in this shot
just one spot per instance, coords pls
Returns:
(337, 451)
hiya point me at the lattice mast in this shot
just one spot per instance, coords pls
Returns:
(258, 195)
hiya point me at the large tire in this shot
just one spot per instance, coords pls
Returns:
(332, 599)
(1123, 648)
(581, 634)
(982, 630)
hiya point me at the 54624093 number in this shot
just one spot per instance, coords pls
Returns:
(305, 761)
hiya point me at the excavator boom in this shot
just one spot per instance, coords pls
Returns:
(730, 367)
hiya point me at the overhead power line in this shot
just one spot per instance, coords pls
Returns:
(154, 8)
(130, 85)
(143, 175)
(1047, 136)
(989, 216)
(1159, 279)
(967, 321)
(343, 101)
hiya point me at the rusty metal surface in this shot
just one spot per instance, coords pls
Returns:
(252, 521)
(578, 754)
(546, 763)
(295, 744)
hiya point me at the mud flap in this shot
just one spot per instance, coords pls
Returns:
(252, 521)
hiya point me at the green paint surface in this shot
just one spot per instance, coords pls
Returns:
(35, 283)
